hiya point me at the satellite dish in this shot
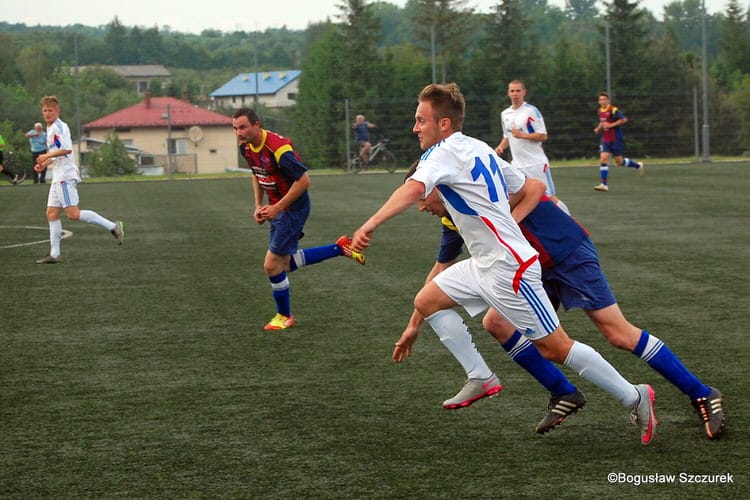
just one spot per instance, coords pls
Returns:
(195, 133)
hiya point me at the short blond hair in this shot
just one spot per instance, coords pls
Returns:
(49, 100)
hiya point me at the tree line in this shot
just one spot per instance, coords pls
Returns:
(374, 57)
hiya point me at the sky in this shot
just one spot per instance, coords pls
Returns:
(223, 15)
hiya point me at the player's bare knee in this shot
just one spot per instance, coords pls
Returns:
(555, 346)
(551, 353)
(619, 339)
(424, 306)
(274, 264)
(498, 327)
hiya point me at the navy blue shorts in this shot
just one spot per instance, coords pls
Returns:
(615, 148)
(286, 231)
(578, 281)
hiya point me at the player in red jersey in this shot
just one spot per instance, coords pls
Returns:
(280, 175)
(611, 118)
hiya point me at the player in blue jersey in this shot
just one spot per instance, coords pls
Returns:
(280, 176)
(503, 271)
(612, 143)
(573, 277)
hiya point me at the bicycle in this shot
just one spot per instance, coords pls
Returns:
(9, 165)
(379, 157)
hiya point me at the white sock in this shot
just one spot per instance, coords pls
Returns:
(55, 235)
(91, 217)
(455, 336)
(593, 367)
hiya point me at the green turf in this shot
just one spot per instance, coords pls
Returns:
(142, 371)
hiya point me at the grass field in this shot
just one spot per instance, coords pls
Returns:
(143, 371)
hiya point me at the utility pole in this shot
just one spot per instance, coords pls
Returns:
(706, 132)
(168, 116)
(609, 59)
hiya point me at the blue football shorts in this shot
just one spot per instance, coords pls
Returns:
(614, 148)
(286, 231)
(578, 282)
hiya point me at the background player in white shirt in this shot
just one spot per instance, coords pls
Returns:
(503, 271)
(524, 131)
(63, 191)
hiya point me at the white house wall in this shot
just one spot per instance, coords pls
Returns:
(216, 152)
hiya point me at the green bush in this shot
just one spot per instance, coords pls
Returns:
(111, 159)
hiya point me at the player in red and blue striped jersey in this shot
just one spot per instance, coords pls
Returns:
(612, 143)
(280, 175)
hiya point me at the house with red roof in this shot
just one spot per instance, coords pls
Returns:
(169, 131)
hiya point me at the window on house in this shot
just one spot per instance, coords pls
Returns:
(178, 147)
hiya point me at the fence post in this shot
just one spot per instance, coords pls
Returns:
(695, 124)
(347, 131)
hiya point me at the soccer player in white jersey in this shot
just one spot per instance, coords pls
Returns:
(503, 271)
(524, 131)
(63, 191)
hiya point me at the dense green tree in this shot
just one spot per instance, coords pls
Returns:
(8, 69)
(574, 66)
(444, 25)
(508, 47)
(151, 49)
(547, 20)
(505, 53)
(738, 107)
(188, 55)
(685, 19)
(361, 64)
(628, 39)
(320, 125)
(394, 23)
(581, 9)
(733, 60)
(581, 24)
(116, 41)
(411, 72)
(34, 64)
(19, 110)
(111, 159)
(671, 87)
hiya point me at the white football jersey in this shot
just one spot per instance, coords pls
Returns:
(528, 118)
(63, 167)
(467, 173)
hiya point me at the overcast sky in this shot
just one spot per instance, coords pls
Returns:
(224, 15)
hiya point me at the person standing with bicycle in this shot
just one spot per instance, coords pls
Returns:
(38, 143)
(362, 138)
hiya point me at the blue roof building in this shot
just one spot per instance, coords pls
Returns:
(272, 88)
